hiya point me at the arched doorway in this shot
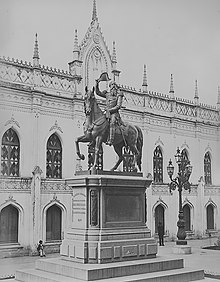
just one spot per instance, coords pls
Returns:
(187, 217)
(210, 216)
(9, 225)
(53, 223)
(159, 217)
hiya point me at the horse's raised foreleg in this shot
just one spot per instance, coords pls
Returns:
(118, 150)
(81, 139)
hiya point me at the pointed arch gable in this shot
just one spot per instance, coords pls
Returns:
(50, 133)
(7, 127)
(159, 202)
(15, 204)
(187, 202)
(55, 202)
(211, 202)
(96, 56)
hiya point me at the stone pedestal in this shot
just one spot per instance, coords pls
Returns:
(108, 239)
(108, 220)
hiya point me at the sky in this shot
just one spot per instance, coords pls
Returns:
(179, 37)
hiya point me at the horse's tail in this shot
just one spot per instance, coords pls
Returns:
(139, 146)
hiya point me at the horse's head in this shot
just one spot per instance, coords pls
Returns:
(88, 100)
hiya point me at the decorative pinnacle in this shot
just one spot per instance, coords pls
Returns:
(171, 84)
(218, 101)
(94, 13)
(114, 53)
(36, 51)
(76, 46)
(145, 77)
(196, 90)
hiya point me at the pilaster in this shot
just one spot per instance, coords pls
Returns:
(36, 207)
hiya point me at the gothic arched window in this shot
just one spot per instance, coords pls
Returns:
(185, 154)
(54, 157)
(10, 153)
(158, 165)
(210, 216)
(207, 169)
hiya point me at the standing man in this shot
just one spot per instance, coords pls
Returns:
(160, 229)
(113, 103)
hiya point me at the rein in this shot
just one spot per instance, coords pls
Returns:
(96, 121)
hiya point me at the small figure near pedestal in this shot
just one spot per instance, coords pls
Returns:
(161, 233)
(40, 248)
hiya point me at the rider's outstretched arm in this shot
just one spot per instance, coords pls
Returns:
(98, 92)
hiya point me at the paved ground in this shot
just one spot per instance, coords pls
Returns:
(209, 260)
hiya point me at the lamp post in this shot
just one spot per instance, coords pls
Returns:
(181, 181)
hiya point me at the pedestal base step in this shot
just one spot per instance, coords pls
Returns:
(153, 270)
(180, 275)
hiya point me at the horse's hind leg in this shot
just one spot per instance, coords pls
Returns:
(98, 143)
(118, 150)
(136, 156)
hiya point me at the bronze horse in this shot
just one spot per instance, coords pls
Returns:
(96, 130)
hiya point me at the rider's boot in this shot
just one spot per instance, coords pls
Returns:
(111, 135)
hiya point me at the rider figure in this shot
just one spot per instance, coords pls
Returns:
(113, 103)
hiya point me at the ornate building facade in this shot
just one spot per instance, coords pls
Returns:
(41, 116)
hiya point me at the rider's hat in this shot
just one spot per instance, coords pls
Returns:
(103, 77)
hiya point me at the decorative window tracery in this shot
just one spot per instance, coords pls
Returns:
(185, 155)
(158, 165)
(54, 157)
(10, 154)
(207, 169)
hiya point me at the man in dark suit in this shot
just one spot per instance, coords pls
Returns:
(160, 229)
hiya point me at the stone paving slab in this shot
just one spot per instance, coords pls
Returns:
(209, 260)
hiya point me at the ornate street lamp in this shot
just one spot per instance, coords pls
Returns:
(181, 181)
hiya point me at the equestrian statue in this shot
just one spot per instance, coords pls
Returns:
(108, 126)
